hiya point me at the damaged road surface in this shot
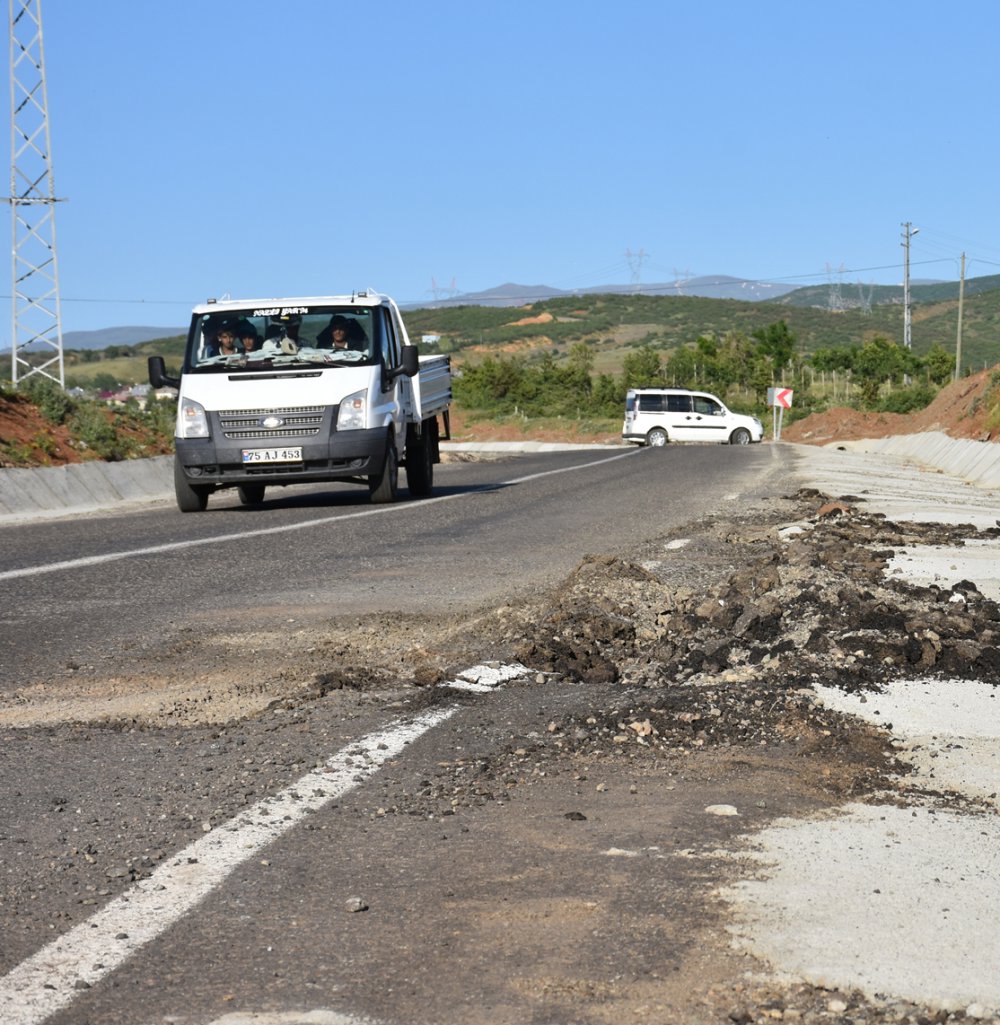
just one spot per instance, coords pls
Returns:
(718, 777)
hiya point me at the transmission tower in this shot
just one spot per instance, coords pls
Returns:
(635, 262)
(866, 298)
(36, 324)
(440, 292)
(836, 300)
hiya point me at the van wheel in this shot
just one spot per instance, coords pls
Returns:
(657, 438)
(190, 497)
(251, 494)
(382, 486)
(741, 436)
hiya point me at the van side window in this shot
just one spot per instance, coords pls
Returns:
(678, 403)
(706, 406)
(650, 403)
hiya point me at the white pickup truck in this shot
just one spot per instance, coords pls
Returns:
(297, 391)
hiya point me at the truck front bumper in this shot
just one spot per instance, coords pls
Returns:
(340, 456)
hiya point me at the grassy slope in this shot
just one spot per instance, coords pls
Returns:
(614, 325)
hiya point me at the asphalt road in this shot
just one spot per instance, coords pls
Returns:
(273, 929)
(102, 586)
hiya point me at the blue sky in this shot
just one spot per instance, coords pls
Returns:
(307, 147)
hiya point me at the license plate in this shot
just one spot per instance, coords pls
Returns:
(272, 455)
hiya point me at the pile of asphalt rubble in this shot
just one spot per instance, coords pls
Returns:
(735, 663)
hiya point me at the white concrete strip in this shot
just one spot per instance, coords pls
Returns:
(976, 560)
(483, 679)
(869, 898)
(44, 984)
(897, 902)
(382, 510)
(319, 1016)
(901, 491)
(948, 730)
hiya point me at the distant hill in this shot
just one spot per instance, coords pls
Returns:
(855, 295)
(103, 337)
(716, 286)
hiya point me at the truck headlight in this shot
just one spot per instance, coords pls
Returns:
(353, 413)
(191, 420)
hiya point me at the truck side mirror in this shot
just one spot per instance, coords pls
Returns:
(158, 376)
(411, 362)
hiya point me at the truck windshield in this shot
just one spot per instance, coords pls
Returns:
(280, 337)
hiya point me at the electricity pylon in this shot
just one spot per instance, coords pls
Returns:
(36, 323)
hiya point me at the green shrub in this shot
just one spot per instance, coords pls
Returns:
(52, 402)
(90, 425)
(907, 400)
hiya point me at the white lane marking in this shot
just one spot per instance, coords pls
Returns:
(97, 560)
(483, 679)
(44, 983)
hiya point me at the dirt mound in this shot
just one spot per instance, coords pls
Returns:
(28, 439)
(963, 409)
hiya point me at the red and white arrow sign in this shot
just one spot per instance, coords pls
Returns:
(783, 397)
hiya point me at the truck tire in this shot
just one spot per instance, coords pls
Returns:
(420, 451)
(251, 494)
(190, 497)
(657, 438)
(382, 486)
(741, 436)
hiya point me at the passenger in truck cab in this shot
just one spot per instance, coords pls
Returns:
(225, 343)
(342, 333)
(248, 337)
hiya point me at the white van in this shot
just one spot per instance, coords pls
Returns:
(654, 416)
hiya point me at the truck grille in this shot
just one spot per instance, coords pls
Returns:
(247, 424)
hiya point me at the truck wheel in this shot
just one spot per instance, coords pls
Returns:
(741, 436)
(190, 497)
(251, 494)
(420, 460)
(657, 438)
(382, 486)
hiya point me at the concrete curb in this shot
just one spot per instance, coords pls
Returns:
(83, 487)
(977, 462)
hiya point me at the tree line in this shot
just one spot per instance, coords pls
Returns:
(736, 362)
